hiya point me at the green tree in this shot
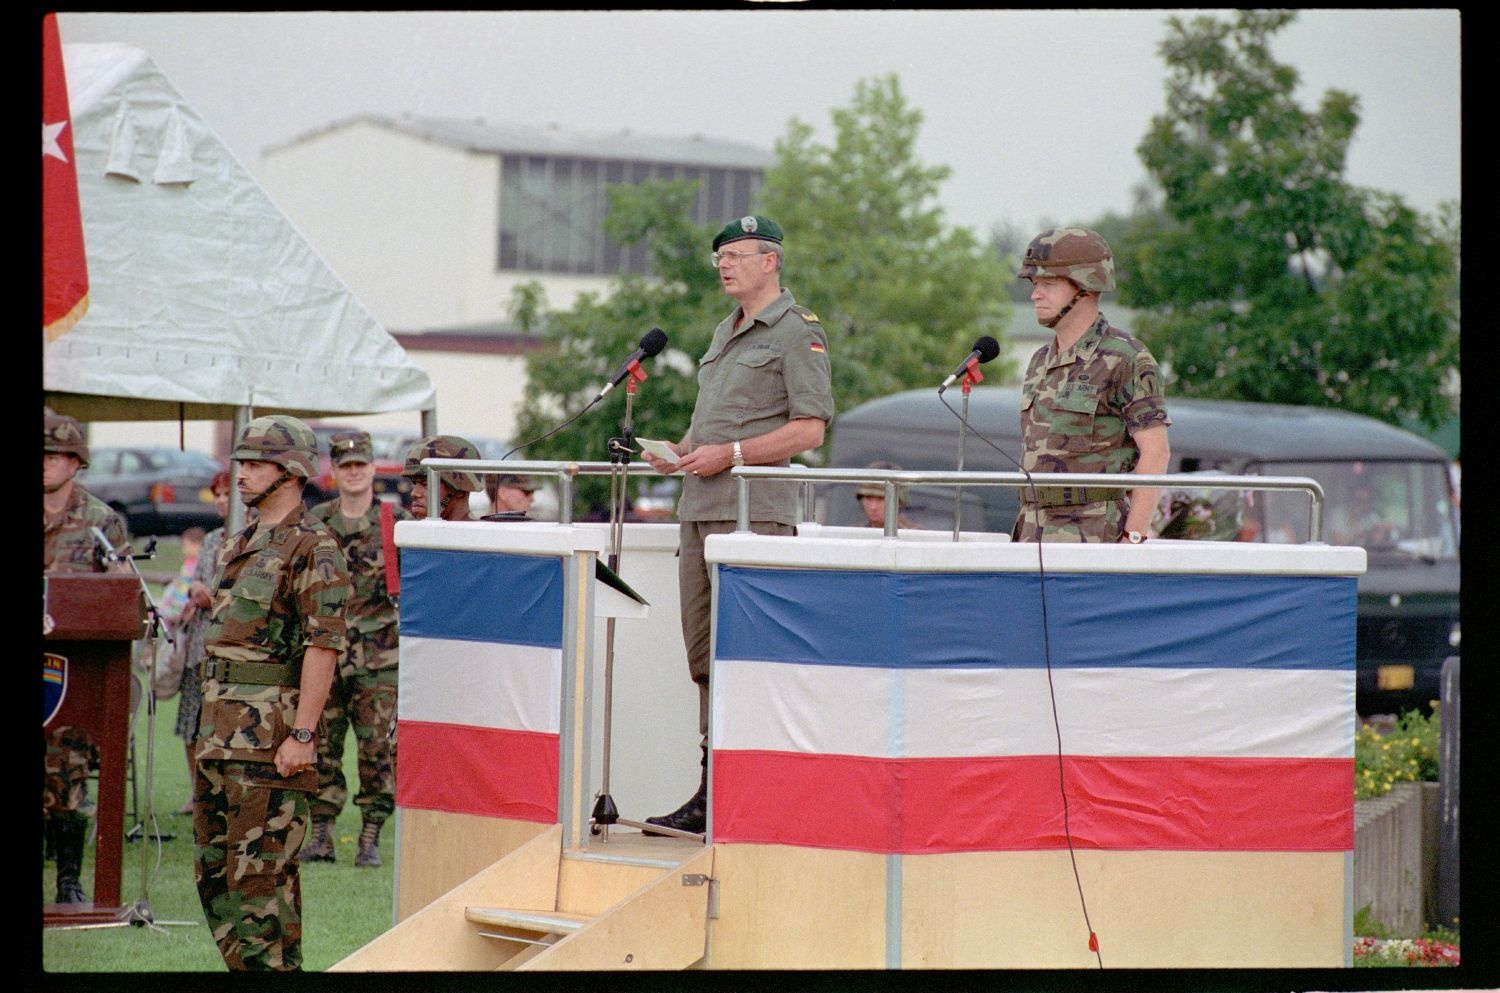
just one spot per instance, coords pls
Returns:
(1008, 243)
(588, 341)
(900, 296)
(1266, 275)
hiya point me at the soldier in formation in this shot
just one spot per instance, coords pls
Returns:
(275, 634)
(453, 487)
(70, 516)
(364, 691)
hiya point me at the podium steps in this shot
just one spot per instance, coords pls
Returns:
(630, 902)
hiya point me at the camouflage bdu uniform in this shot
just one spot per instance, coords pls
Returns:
(66, 808)
(281, 590)
(364, 691)
(68, 545)
(1078, 411)
(1080, 408)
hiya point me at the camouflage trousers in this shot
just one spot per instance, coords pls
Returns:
(366, 699)
(69, 758)
(247, 832)
(1103, 521)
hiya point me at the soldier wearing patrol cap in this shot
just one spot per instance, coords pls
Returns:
(1091, 400)
(70, 515)
(764, 395)
(871, 497)
(510, 494)
(274, 636)
(453, 487)
(364, 689)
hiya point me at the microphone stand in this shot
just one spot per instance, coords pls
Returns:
(139, 913)
(605, 812)
(972, 375)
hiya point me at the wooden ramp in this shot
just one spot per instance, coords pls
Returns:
(632, 902)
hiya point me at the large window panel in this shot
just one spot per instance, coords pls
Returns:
(552, 210)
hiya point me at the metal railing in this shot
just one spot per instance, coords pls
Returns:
(1110, 480)
(563, 472)
(566, 472)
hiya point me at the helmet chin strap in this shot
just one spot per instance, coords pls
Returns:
(449, 496)
(1078, 294)
(260, 497)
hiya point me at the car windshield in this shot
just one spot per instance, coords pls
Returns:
(1388, 508)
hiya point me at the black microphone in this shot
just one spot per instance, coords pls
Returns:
(654, 341)
(985, 348)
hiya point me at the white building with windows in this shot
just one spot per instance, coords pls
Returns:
(432, 222)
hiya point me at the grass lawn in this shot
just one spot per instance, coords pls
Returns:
(342, 907)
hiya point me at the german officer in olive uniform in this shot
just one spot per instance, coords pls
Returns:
(275, 633)
(69, 516)
(1091, 400)
(764, 395)
(364, 690)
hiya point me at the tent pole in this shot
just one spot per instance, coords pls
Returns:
(242, 416)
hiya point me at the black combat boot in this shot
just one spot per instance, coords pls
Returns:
(691, 816)
(369, 846)
(319, 847)
(67, 845)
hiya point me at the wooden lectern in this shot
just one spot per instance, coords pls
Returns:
(94, 619)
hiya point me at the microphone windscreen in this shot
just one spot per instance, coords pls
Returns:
(656, 339)
(987, 348)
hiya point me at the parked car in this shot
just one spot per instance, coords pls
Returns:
(159, 490)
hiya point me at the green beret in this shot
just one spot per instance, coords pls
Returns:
(741, 228)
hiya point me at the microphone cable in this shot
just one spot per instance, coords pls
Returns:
(651, 345)
(1051, 689)
(586, 408)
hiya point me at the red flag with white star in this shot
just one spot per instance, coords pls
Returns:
(65, 273)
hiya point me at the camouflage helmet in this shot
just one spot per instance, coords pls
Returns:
(443, 446)
(61, 433)
(1072, 253)
(281, 439)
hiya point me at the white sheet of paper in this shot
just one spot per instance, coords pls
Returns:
(658, 448)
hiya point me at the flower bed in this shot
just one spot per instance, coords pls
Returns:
(1414, 952)
(1406, 754)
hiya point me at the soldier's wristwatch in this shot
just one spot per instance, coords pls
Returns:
(302, 735)
(739, 456)
(1135, 537)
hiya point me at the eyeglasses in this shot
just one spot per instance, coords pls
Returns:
(719, 258)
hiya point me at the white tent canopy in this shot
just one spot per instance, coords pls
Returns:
(205, 301)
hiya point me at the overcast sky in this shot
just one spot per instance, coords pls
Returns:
(1038, 113)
